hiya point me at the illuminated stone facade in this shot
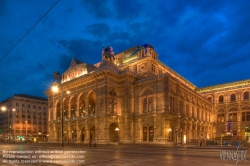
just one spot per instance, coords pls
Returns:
(231, 105)
(133, 92)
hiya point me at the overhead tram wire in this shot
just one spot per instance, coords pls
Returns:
(28, 32)
(188, 22)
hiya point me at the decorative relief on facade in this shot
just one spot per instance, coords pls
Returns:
(221, 110)
(233, 109)
(246, 108)
(143, 67)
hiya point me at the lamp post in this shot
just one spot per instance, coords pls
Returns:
(72, 137)
(26, 128)
(117, 138)
(39, 135)
(169, 130)
(176, 130)
(55, 89)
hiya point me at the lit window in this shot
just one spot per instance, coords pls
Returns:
(246, 95)
(233, 97)
(221, 99)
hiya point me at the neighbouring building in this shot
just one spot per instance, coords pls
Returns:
(24, 118)
(231, 106)
(132, 97)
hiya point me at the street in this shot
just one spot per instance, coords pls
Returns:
(114, 155)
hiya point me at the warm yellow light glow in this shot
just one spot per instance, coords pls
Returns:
(3, 108)
(117, 129)
(55, 88)
(68, 92)
(13, 109)
(169, 130)
(184, 139)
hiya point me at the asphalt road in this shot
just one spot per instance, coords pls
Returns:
(47, 154)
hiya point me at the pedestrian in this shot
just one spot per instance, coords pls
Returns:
(90, 142)
(94, 143)
(75, 142)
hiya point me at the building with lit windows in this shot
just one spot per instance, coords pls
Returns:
(24, 117)
(231, 105)
(130, 97)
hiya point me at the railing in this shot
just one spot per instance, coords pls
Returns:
(58, 120)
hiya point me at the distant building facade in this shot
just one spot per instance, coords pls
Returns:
(231, 106)
(24, 117)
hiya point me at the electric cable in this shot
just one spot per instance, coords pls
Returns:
(28, 32)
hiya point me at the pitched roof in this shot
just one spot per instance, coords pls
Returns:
(31, 97)
(75, 62)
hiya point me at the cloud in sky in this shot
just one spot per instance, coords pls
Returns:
(207, 42)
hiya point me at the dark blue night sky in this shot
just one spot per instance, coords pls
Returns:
(207, 42)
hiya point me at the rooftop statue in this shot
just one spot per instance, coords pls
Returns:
(57, 76)
(108, 53)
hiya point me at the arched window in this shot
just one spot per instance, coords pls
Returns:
(145, 134)
(73, 107)
(66, 107)
(208, 117)
(220, 118)
(92, 99)
(145, 104)
(209, 99)
(112, 102)
(58, 110)
(221, 99)
(246, 95)
(82, 106)
(187, 110)
(233, 98)
(172, 103)
(193, 112)
(181, 108)
(148, 104)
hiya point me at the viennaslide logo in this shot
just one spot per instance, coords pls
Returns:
(238, 155)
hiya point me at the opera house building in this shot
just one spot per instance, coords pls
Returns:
(132, 97)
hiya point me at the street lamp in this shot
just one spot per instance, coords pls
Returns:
(56, 89)
(39, 133)
(169, 130)
(117, 130)
(176, 130)
(26, 128)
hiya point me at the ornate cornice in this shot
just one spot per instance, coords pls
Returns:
(226, 86)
